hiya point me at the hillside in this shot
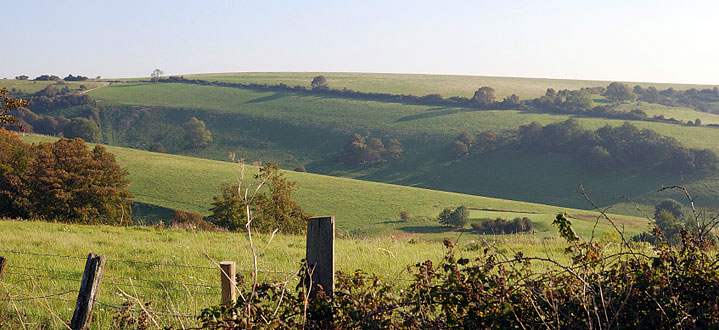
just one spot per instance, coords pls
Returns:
(361, 208)
(302, 129)
(422, 84)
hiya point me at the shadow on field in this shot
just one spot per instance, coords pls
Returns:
(425, 229)
(124, 85)
(274, 96)
(431, 113)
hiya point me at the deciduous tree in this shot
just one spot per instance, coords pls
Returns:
(197, 136)
(156, 75)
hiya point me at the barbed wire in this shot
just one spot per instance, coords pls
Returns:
(46, 270)
(161, 288)
(207, 286)
(141, 262)
(41, 297)
(151, 312)
(42, 254)
(43, 276)
(159, 264)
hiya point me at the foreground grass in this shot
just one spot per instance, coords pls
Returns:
(184, 290)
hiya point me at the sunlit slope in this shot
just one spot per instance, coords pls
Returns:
(361, 208)
(298, 129)
(423, 84)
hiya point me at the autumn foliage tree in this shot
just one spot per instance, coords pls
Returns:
(62, 181)
(9, 104)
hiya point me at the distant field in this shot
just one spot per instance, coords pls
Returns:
(30, 86)
(300, 129)
(420, 84)
(356, 115)
(307, 130)
(361, 208)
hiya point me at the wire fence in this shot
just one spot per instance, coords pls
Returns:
(140, 287)
(133, 284)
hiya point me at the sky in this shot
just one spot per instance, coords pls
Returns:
(653, 41)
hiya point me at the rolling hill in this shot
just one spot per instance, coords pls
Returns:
(361, 208)
(302, 129)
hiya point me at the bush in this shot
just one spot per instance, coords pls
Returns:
(83, 128)
(502, 226)
(157, 147)
(300, 168)
(271, 210)
(404, 215)
(457, 218)
(190, 221)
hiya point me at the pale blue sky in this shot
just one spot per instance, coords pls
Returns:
(659, 41)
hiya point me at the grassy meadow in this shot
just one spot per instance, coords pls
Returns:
(295, 129)
(30, 86)
(361, 208)
(178, 290)
(298, 129)
(422, 84)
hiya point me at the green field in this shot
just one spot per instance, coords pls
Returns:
(300, 129)
(423, 84)
(361, 208)
(29, 86)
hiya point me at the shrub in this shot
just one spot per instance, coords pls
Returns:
(273, 209)
(404, 215)
(157, 147)
(83, 128)
(191, 221)
(502, 226)
(301, 168)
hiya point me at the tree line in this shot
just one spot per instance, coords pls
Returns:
(615, 147)
(367, 150)
(483, 98)
(48, 77)
(51, 98)
(562, 101)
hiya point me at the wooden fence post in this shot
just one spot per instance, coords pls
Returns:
(228, 275)
(88, 292)
(321, 252)
(3, 263)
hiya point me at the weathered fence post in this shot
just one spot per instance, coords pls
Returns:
(228, 275)
(88, 291)
(3, 263)
(321, 252)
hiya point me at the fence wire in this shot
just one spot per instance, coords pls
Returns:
(41, 297)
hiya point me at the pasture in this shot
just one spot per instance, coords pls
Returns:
(361, 208)
(423, 84)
